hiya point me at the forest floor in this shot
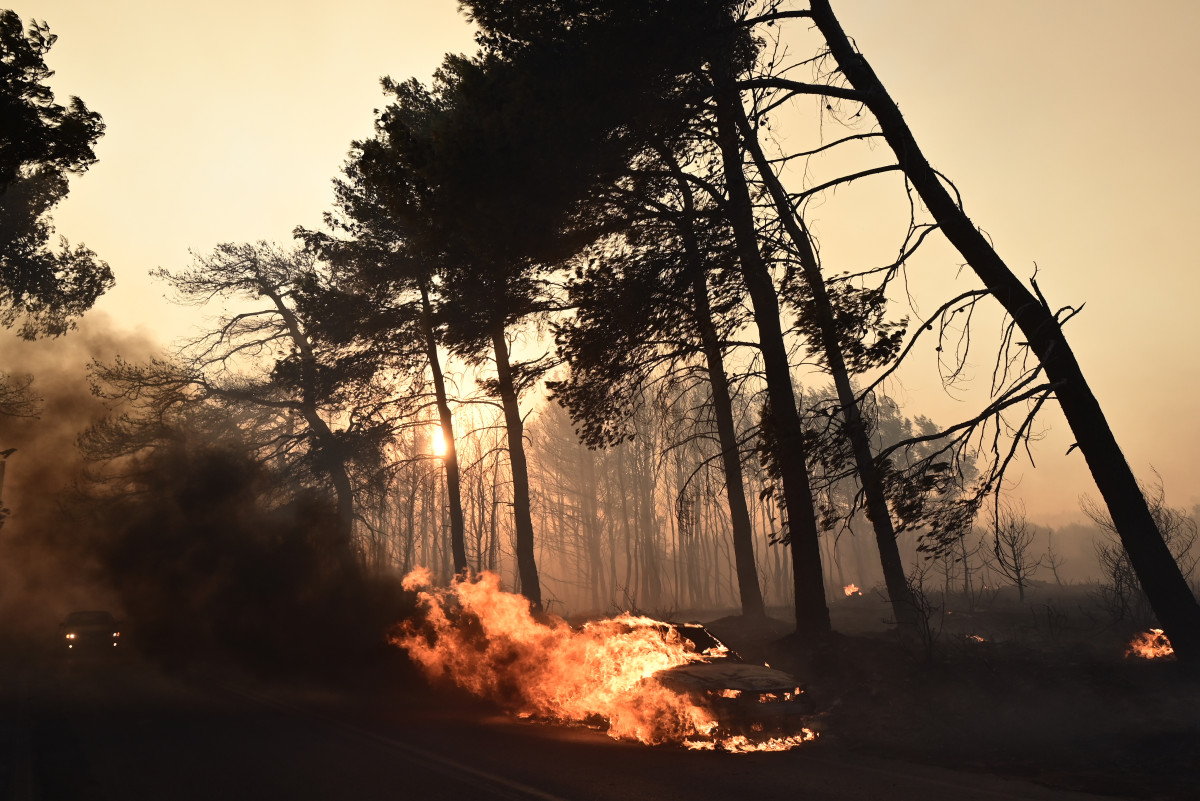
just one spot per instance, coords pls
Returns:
(1039, 689)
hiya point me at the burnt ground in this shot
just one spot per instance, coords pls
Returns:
(1048, 695)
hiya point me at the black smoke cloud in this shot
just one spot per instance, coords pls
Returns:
(46, 568)
(203, 552)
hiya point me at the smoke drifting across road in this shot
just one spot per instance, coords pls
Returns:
(199, 547)
(46, 566)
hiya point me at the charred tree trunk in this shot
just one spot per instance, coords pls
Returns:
(458, 543)
(515, 429)
(1163, 582)
(812, 613)
(903, 606)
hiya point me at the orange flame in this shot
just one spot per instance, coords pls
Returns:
(487, 642)
(851, 589)
(1151, 644)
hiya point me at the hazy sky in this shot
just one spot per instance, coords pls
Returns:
(1068, 126)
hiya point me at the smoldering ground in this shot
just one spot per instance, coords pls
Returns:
(201, 551)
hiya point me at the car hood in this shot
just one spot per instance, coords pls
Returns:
(727, 676)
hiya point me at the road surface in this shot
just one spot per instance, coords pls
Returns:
(120, 730)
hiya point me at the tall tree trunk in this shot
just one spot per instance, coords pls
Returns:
(458, 543)
(812, 613)
(630, 590)
(749, 590)
(410, 539)
(531, 588)
(589, 492)
(493, 562)
(1163, 582)
(649, 571)
(903, 606)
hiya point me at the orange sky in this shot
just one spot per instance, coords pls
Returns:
(1067, 124)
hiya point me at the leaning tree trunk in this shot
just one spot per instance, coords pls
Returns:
(812, 613)
(458, 541)
(1165, 587)
(903, 605)
(523, 522)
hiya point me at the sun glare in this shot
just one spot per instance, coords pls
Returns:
(439, 441)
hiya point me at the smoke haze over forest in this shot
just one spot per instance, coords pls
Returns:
(998, 126)
(1001, 126)
(367, 373)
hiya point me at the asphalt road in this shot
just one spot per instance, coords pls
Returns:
(114, 729)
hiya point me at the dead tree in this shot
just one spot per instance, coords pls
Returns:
(1012, 547)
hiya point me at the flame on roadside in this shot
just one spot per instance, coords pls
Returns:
(1151, 644)
(486, 641)
(851, 589)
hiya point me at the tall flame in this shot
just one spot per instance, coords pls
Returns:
(1150, 644)
(487, 642)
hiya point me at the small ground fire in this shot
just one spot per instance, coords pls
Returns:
(1152, 644)
(486, 641)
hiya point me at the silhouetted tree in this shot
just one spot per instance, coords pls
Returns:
(511, 157)
(316, 409)
(684, 48)
(1170, 596)
(650, 304)
(388, 262)
(41, 144)
(847, 330)
(1012, 547)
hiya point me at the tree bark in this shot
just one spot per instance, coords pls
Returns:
(812, 613)
(527, 571)
(1165, 587)
(458, 542)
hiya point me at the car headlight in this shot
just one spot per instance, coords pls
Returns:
(71, 636)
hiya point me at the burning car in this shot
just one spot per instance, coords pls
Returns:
(745, 699)
(637, 678)
(90, 631)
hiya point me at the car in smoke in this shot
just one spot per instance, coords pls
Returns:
(746, 699)
(94, 631)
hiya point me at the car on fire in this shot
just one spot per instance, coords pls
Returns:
(90, 631)
(746, 699)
